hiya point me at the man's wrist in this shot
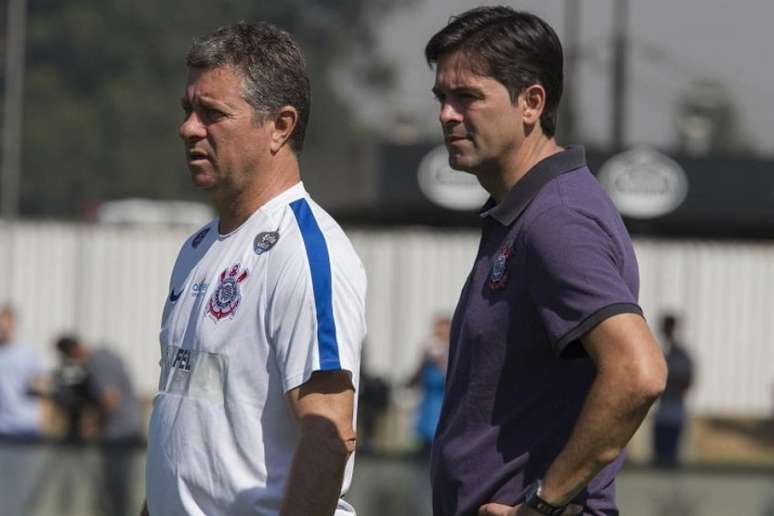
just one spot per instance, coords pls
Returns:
(536, 500)
(553, 493)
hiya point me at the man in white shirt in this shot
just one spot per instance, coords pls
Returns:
(21, 375)
(22, 382)
(262, 329)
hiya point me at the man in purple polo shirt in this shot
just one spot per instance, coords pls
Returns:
(552, 366)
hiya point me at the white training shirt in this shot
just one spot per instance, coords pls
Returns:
(250, 315)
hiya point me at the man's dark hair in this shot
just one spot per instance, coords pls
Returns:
(516, 48)
(669, 323)
(272, 67)
(67, 344)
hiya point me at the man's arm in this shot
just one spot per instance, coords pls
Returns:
(109, 399)
(324, 407)
(631, 375)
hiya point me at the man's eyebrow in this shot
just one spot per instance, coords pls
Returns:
(212, 102)
(457, 89)
(205, 102)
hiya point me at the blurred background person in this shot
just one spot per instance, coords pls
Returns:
(72, 395)
(21, 377)
(373, 402)
(669, 419)
(429, 378)
(105, 382)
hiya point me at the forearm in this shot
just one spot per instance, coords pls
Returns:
(612, 412)
(317, 471)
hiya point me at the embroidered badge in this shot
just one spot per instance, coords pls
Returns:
(199, 237)
(265, 241)
(498, 278)
(225, 300)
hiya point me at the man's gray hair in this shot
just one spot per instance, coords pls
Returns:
(272, 67)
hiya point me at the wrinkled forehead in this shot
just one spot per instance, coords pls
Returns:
(214, 74)
(461, 66)
(456, 73)
(464, 60)
(221, 82)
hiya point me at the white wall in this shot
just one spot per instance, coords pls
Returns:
(109, 284)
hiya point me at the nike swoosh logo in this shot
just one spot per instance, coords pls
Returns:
(174, 297)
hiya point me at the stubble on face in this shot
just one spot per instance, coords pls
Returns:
(480, 122)
(224, 142)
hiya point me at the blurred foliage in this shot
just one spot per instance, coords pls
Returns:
(708, 121)
(104, 80)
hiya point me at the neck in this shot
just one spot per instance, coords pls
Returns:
(506, 173)
(236, 207)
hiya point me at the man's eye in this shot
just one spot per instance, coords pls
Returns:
(214, 114)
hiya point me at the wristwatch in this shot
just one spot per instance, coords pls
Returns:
(535, 501)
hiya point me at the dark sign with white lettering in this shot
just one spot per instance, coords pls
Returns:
(657, 193)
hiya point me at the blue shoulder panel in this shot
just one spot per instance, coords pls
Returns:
(320, 266)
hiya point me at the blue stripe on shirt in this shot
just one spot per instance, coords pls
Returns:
(320, 266)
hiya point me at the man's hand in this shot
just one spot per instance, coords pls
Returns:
(498, 509)
(144, 510)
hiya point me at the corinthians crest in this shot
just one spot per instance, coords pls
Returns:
(225, 300)
(498, 277)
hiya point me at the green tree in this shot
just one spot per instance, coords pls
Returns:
(104, 80)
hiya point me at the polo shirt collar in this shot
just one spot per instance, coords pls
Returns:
(526, 188)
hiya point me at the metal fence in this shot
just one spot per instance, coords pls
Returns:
(109, 284)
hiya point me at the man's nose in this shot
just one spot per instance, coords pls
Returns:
(448, 113)
(192, 128)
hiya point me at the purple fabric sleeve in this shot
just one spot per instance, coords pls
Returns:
(575, 277)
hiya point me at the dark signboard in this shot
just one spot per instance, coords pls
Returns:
(726, 197)
(658, 194)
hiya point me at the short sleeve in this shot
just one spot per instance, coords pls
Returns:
(317, 312)
(576, 277)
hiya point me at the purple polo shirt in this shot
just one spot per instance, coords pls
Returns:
(554, 261)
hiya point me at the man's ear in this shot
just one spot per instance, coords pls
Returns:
(284, 122)
(532, 101)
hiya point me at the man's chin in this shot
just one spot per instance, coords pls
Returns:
(202, 179)
(205, 184)
(458, 163)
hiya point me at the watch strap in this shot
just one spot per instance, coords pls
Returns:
(534, 501)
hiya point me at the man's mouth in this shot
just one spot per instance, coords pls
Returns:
(197, 155)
